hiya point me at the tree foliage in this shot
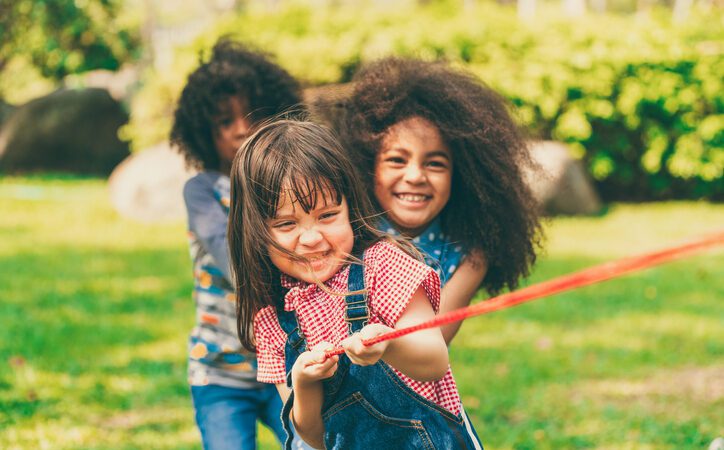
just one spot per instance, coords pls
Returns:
(62, 37)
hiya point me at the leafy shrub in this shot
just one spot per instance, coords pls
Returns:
(62, 37)
(641, 101)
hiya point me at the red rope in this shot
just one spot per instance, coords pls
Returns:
(564, 283)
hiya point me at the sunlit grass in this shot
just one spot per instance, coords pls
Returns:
(95, 311)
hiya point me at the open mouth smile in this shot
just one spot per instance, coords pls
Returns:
(317, 260)
(415, 198)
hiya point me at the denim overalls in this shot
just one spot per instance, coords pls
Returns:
(370, 407)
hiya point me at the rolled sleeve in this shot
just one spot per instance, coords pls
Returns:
(394, 278)
(270, 340)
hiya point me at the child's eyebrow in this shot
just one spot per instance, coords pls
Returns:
(402, 150)
(405, 151)
(330, 205)
(283, 216)
(442, 153)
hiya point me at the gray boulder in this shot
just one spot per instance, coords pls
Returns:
(560, 183)
(6, 110)
(148, 185)
(73, 131)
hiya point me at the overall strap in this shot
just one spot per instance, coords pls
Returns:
(356, 312)
(288, 322)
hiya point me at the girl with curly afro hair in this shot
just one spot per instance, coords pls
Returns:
(223, 100)
(444, 159)
(233, 76)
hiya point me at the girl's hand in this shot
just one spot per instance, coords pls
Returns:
(361, 354)
(311, 366)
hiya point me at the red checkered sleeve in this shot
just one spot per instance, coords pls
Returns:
(270, 340)
(393, 278)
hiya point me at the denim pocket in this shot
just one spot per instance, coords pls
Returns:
(354, 423)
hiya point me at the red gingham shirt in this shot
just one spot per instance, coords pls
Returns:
(391, 278)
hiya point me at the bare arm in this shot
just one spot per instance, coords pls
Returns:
(284, 391)
(421, 356)
(461, 288)
(307, 375)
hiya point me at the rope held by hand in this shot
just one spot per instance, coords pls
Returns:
(564, 283)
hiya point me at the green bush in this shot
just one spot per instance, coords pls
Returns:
(641, 101)
(64, 37)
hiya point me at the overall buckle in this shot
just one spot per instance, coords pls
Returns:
(359, 306)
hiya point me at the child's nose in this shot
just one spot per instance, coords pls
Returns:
(240, 128)
(310, 237)
(414, 174)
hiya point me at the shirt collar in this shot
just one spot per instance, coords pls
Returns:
(434, 229)
(301, 291)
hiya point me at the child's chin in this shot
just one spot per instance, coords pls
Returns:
(411, 224)
(409, 219)
(321, 275)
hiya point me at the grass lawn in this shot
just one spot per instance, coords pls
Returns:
(95, 309)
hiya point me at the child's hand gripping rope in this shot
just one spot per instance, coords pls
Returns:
(564, 283)
(358, 348)
(314, 365)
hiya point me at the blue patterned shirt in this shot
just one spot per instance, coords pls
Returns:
(215, 353)
(440, 253)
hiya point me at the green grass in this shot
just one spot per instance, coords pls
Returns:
(95, 309)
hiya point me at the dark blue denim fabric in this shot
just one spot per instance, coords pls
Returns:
(370, 407)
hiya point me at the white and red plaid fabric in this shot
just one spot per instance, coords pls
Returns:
(391, 278)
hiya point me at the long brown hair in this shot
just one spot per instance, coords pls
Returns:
(286, 157)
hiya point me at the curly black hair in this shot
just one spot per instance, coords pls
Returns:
(234, 70)
(491, 209)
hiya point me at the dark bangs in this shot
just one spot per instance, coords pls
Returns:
(308, 192)
(304, 160)
(299, 164)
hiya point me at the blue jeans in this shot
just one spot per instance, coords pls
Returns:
(227, 416)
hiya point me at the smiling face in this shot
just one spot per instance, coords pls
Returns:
(231, 127)
(323, 237)
(413, 173)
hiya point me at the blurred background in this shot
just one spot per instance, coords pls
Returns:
(623, 101)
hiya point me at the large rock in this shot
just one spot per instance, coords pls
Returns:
(6, 110)
(148, 186)
(561, 185)
(73, 131)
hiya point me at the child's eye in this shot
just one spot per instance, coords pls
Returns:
(224, 122)
(328, 215)
(397, 160)
(285, 225)
(437, 164)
